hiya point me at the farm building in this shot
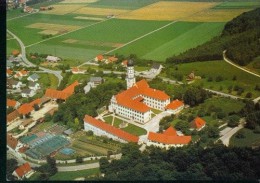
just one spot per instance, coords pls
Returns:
(198, 123)
(136, 102)
(175, 106)
(25, 109)
(169, 138)
(100, 128)
(25, 123)
(23, 171)
(15, 53)
(34, 77)
(52, 59)
(156, 68)
(110, 60)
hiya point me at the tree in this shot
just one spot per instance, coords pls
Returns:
(79, 159)
(47, 117)
(36, 107)
(233, 121)
(212, 132)
(11, 165)
(249, 95)
(76, 123)
(51, 162)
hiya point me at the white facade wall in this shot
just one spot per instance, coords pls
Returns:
(176, 110)
(100, 132)
(155, 103)
(161, 145)
(130, 77)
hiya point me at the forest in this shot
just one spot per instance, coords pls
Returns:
(187, 163)
(240, 37)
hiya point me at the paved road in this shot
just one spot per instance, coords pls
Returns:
(23, 53)
(78, 167)
(226, 138)
(241, 68)
(256, 99)
(223, 94)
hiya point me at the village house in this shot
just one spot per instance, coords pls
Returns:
(25, 110)
(34, 86)
(175, 106)
(136, 102)
(34, 77)
(28, 93)
(198, 124)
(100, 128)
(76, 70)
(13, 116)
(110, 60)
(52, 59)
(9, 64)
(12, 103)
(9, 72)
(14, 84)
(23, 171)
(95, 81)
(99, 58)
(124, 63)
(25, 123)
(156, 68)
(21, 74)
(169, 138)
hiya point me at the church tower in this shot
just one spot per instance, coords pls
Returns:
(130, 75)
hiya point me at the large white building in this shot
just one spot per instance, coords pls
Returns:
(136, 102)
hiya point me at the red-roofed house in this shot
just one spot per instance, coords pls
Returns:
(12, 103)
(111, 60)
(22, 171)
(129, 104)
(76, 70)
(12, 116)
(175, 106)
(167, 139)
(9, 72)
(101, 128)
(64, 94)
(21, 74)
(99, 58)
(25, 109)
(198, 123)
(124, 63)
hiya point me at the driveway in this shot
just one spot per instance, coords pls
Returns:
(78, 167)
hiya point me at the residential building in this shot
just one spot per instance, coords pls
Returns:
(52, 59)
(101, 128)
(9, 64)
(14, 84)
(169, 138)
(28, 93)
(9, 72)
(23, 171)
(136, 102)
(175, 106)
(12, 103)
(198, 124)
(34, 77)
(156, 68)
(34, 86)
(95, 81)
(11, 141)
(12, 117)
(21, 74)
(111, 60)
(124, 63)
(25, 109)
(76, 70)
(99, 58)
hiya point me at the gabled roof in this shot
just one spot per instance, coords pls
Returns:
(26, 91)
(198, 123)
(25, 109)
(156, 66)
(23, 169)
(13, 82)
(111, 129)
(100, 57)
(95, 79)
(11, 103)
(32, 84)
(11, 141)
(34, 76)
(141, 88)
(52, 58)
(174, 104)
(112, 59)
(23, 72)
(36, 101)
(13, 115)
(124, 63)
(169, 137)
(9, 71)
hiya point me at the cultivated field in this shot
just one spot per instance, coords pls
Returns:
(172, 40)
(165, 10)
(99, 11)
(238, 5)
(78, 1)
(62, 9)
(216, 15)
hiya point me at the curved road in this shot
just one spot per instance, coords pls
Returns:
(23, 52)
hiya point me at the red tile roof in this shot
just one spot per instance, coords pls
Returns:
(25, 109)
(9, 71)
(141, 88)
(169, 137)
(112, 59)
(23, 169)
(100, 57)
(64, 94)
(11, 103)
(36, 101)
(15, 52)
(11, 141)
(124, 63)
(12, 116)
(198, 123)
(111, 129)
(23, 72)
(174, 104)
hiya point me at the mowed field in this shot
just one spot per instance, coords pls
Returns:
(172, 40)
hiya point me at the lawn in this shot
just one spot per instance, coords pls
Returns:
(251, 139)
(172, 40)
(132, 129)
(97, 39)
(44, 125)
(79, 77)
(219, 68)
(14, 13)
(48, 80)
(11, 45)
(254, 66)
(66, 176)
(121, 4)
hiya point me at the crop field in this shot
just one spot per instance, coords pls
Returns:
(238, 5)
(216, 15)
(62, 9)
(216, 68)
(172, 40)
(78, 1)
(165, 10)
(48, 80)
(99, 11)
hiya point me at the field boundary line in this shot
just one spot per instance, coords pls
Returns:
(66, 33)
(20, 16)
(230, 62)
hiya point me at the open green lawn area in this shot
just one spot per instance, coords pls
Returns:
(172, 40)
(238, 5)
(121, 4)
(254, 66)
(132, 129)
(251, 139)
(48, 80)
(44, 125)
(79, 77)
(74, 174)
(97, 39)
(11, 45)
(220, 68)
(14, 13)
(18, 26)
